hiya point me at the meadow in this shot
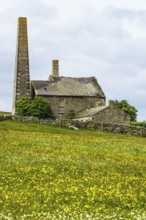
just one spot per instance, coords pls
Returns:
(49, 172)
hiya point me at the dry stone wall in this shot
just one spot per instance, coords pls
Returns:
(103, 127)
(5, 117)
(107, 127)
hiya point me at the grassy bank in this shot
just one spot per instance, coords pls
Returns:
(55, 173)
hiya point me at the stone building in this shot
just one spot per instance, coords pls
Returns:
(67, 96)
(104, 114)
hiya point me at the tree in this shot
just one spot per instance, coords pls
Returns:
(38, 107)
(127, 108)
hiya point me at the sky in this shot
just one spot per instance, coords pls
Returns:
(105, 39)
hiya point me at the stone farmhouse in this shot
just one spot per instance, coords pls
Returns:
(81, 98)
(68, 95)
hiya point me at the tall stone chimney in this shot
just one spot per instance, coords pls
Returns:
(21, 78)
(55, 67)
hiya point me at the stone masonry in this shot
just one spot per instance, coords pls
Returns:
(112, 114)
(55, 67)
(22, 78)
(90, 125)
(69, 104)
(66, 96)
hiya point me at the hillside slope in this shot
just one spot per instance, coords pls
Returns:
(54, 173)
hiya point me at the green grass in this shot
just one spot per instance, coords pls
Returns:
(49, 172)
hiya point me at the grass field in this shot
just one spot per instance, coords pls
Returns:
(49, 172)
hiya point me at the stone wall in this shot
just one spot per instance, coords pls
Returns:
(5, 117)
(106, 127)
(112, 114)
(24, 118)
(75, 104)
(101, 127)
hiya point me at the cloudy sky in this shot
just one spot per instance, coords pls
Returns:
(102, 38)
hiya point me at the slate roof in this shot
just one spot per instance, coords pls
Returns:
(90, 112)
(68, 86)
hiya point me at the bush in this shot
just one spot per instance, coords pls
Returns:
(71, 114)
(38, 107)
(141, 124)
(23, 107)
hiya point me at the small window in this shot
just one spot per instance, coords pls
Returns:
(61, 99)
(99, 104)
(61, 110)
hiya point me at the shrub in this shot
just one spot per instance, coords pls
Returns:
(141, 124)
(23, 107)
(71, 114)
(38, 107)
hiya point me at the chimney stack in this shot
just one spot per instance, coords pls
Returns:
(111, 104)
(55, 67)
(21, 79)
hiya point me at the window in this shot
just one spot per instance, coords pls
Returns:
(99, 104)
(61, 110)
(61, 99)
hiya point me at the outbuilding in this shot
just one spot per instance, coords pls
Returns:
(104, 114)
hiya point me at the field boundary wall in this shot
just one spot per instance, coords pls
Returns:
(74, 124)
